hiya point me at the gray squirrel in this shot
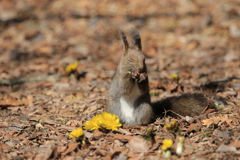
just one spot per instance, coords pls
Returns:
(129, 96)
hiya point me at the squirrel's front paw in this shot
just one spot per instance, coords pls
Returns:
(142, 77)
(139, 76)
(135, 75)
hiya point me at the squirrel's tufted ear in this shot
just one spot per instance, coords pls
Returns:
(125, 42)
(136, 39)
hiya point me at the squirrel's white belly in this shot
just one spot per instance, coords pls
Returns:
(127, 104)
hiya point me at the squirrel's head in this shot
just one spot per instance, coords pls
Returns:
(133, 58)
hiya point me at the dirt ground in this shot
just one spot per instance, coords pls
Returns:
(41, 103)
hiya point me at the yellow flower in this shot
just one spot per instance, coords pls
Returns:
(105, 120)
(171, 126)
(76, 133)
(181, 139)
(167, 143)
(72, 67)
(175, 77)
(94, 123)
(110, 121)
(91, 125)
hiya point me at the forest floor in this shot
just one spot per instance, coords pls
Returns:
(41, 103)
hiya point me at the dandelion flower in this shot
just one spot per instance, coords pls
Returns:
(104, 121)
(181, 139)
(94, 123)
(110, 121)
(172, 127)
(167, 143)
(72, 67)
(76, 133)
(175, 77)
(91, 125)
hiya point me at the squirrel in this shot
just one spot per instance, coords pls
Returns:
(129, 96)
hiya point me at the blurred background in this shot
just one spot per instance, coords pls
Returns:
(199, 40)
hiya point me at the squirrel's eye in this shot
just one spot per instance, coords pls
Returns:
(129, 60)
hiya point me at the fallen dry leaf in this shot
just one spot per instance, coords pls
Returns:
(235, 143)
(138, 145)
(96, 135)
(123, 137)
(71, 147)
(46, 153)
(10, 101)
(194, 127)
(226, 148)
(212, 120)
(222, 134)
